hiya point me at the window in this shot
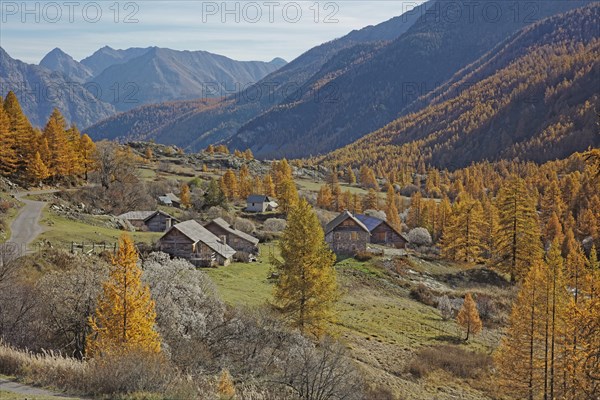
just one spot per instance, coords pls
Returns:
(354, 235)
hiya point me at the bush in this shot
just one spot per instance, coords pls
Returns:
(244, 225)
(460, 363)
(424, 295)
(275, 225)
(445, 308)
(363, 256)
(419, 237)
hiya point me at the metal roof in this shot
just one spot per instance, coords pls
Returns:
(225, 225)
(341, 218)
(198, 233)
(370, 222)
(137, 215)
(258, 198)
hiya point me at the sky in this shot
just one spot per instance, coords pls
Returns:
(242, 30)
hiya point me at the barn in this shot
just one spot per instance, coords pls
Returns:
(347, 235)
(236, 239)
(152, 221)
(191, 241)
(383, 233)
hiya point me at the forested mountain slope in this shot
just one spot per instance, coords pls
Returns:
(342, 107)
(535, 98)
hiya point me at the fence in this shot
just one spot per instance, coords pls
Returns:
(93, 248)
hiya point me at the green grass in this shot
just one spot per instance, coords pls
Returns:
(62, 231)
(246, 284)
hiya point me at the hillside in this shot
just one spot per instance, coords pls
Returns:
(534, 98)
(197, 130)
(365, 96)
(59, 61)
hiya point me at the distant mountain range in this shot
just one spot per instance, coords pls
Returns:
(195, 130)
(112, 80)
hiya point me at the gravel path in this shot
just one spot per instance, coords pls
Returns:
(25, 227)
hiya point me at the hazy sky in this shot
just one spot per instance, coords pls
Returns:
(243, 30)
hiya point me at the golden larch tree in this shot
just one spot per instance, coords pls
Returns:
(462, 238)
(8, 153)
(229, 185)
(185, 195)
(125, 316)
(268, 186)
(468, 317)
(37, 170)
(518, 238)
(306, 289)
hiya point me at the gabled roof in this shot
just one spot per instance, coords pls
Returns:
(372, 222)
(259, 198)
(137, 215)
(173, 197)
(197, 233)
(341, 218)
(165, 199)
(226, 226)
(143, 215)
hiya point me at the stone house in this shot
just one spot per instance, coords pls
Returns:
(383, 233)
(191, 241)
(152, 221)
(347, 235)
(260, 203)
(234, 238)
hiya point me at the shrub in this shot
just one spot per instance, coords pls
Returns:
(4, 206)
(244, 225)
(363, 256)
(424, 295)
(453, 359)
(275, 225)
(419, 237)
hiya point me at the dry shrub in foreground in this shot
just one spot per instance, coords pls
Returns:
(455, 360)
(108, 375)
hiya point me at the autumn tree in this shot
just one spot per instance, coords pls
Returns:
(518, 238)
(88, 151)
(287, 195)
(350, 176)
(462, 238)
(324, 197)
(468, 317)
(185, 196)
(391, 210)
(520, 356)
(367, 178)
(125, 317)
(8, 142)
(307, 288)
(245, 187)
(229, 185)
(20, 128)
(371, 200)
(37, 170)
(268, 186)
(56, 135)
(225, 387)
(414, 217)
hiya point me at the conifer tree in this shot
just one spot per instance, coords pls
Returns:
(350, 176)
(518, 238)
(391, 211)
(87, 149)
(37, 170)
(520, 356)
(462, 240)
(307, 288)
(229, 185)
(414, 219)
(74, 158)
(185, 196)
(367, 178)
(468, 317)
(125, 317)
(225, 387)
(268, 186)
(148, 153)
(20, 128)
(371, 201)
(244, 182)
(324, 197)
(287, 195)
(8, 154)
(58, 144)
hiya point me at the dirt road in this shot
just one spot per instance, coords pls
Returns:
(25, 227)
(26, 391)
